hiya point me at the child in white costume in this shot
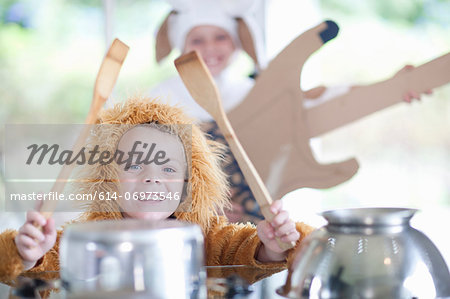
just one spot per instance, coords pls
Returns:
(211, 27)
(217, 30)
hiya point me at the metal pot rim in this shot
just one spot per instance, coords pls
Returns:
(384, 216)
(131, 230)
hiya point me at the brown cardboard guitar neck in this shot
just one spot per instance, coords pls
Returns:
(365, 100)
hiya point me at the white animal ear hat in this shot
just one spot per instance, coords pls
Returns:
(234, 16)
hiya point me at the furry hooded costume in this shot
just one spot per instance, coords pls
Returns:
(225, 244)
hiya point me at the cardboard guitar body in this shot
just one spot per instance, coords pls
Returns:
(275, 128)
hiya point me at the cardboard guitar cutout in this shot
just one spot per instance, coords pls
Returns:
(275, 128)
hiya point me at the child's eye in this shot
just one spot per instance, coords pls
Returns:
(169, 169)
(133, 168)
(196, 41)
(221, 37)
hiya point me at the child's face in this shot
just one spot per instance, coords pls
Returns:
(214, 44)
(148, 190)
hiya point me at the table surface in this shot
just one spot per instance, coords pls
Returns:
(267, 281)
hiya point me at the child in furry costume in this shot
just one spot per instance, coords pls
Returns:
(30, 250)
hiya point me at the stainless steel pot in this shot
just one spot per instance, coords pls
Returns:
(154, 260)
(367, 253)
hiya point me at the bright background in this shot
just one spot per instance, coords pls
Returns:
(50, 52)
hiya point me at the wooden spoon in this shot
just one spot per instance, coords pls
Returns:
(106, 79)
(201, 86)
